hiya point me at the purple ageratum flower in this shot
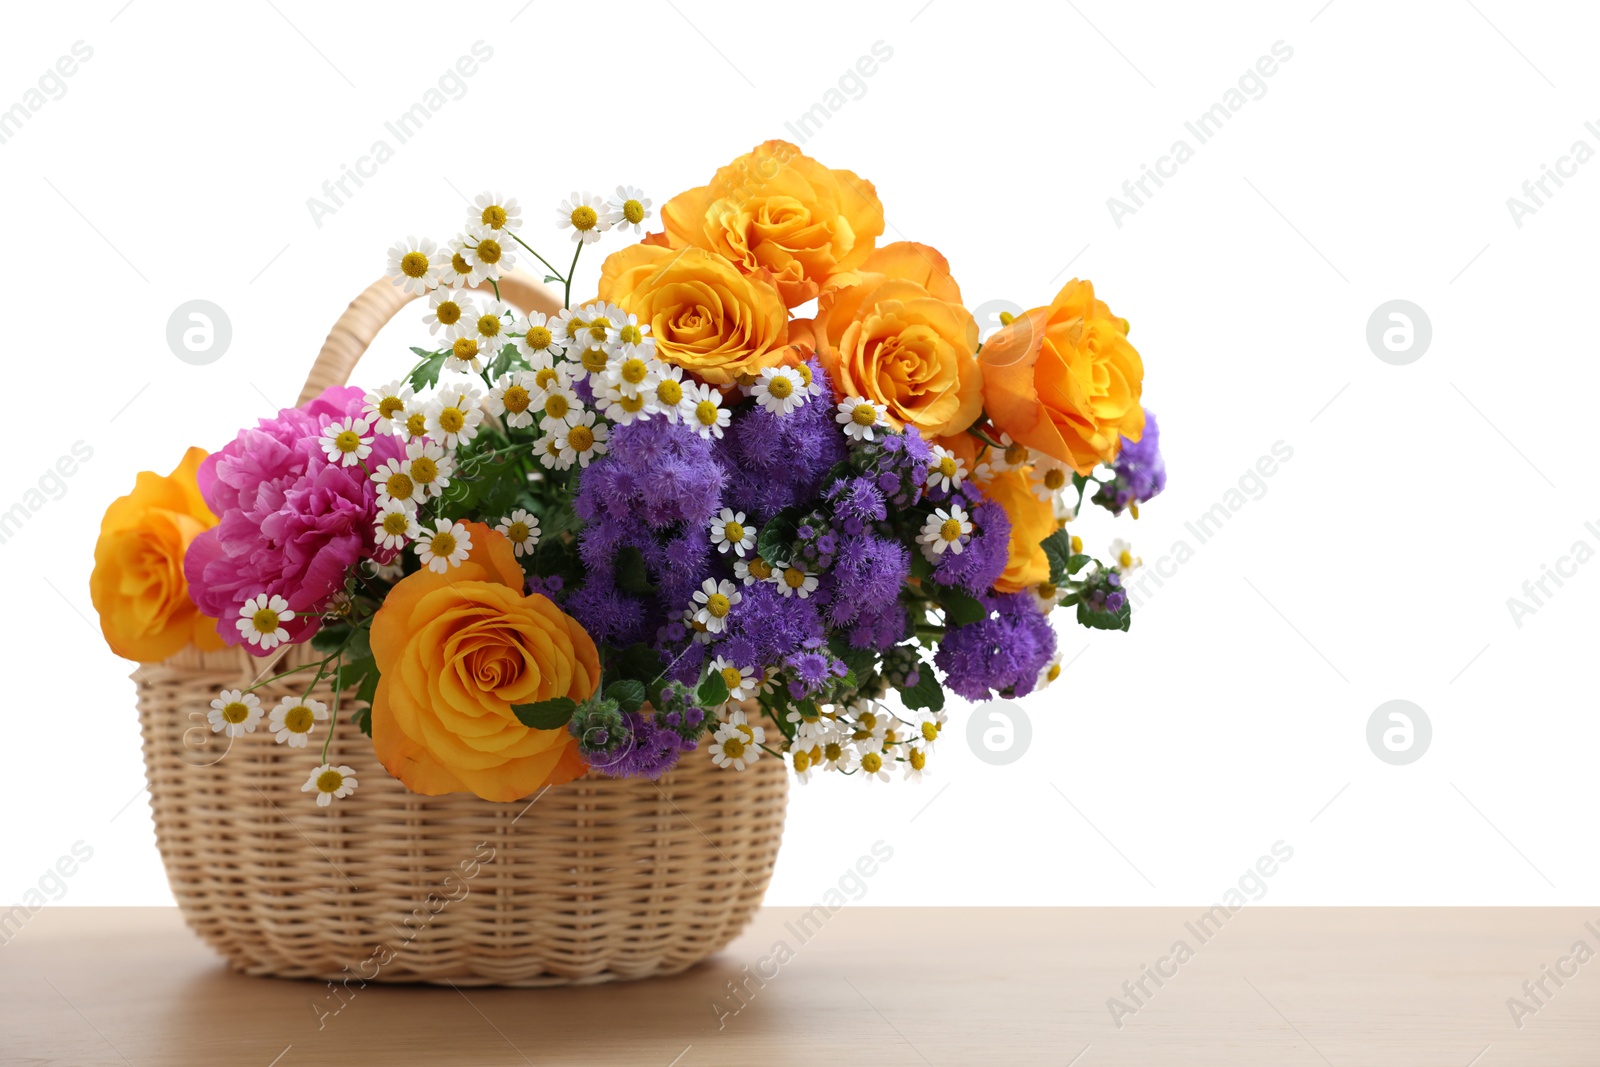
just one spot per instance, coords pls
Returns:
(857, 503)
(1003, 653)
(897, 463)
(765, 627)
(1140, 472)
(984, 557)
(649, 751)
(867, 574)
(776, 461)
(292, 523)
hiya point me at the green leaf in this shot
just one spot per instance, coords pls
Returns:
(627, 692)
(713, 690)
(961, 607)
(632, 575)
(362, 717)
(1076, 563)
(546, 714)
(551, 278)
(859, 660)
(639, 662)
(329, 639)
(776, 538)
(426, 374)
(927, 694)
(1058, 550)
(1105, 620)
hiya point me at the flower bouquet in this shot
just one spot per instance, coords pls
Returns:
(681, 528)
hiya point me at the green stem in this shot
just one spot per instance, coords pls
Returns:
(566, 299)
(537, 256)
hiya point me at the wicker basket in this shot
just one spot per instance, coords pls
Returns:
(595, 880)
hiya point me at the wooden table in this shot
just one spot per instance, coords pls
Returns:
(916, 986)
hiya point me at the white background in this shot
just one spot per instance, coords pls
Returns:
(178, 163)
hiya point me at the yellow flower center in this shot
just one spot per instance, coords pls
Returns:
(833, 751)
(633, 211)
(459, 264)
(1054, 480)
(465, 349)
(871, 762)
(733, 531)
(869, 720)
(1006, 318)
(804, 370)
(1047, 590)
(1015, 454)
(632, 404)
(584, 218)
(794, 578)
(538, 338)
(1053, 673)
(706, 413)
(781, 386)
(947, 466)
(630, 334)
(298, 719)
(494, 216)
(347, 441)
(544, 377)
(398, 486)
(518, 532)
(390, 406)
(489, 326)
(598, 330)
(516, 399)
(416, 424)
(581, 438)
(414, 264)
(930, 731)
(718, 605)
(574, 328)
(448, 312)
(556, 406)
(443, 543)
(864, 415)
(489, 252)
(950, 530)
(634, 371)
(733, 748)
(760, 568)
(669, 393)
(1125, 559)
(236, 712)
(801, 761)
(452, 420)
(919, 759)
(424, 470)
(732, 678)
(329, 781)
(594, 360)
(395, 523)
(1077, 545)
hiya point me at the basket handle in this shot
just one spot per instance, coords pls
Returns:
(380, 302)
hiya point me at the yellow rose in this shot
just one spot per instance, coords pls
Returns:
(455, 652)
(1063, 379)
(1032, 520)
(705, 316)
(777, 212)
(138, 585)
(900, 336)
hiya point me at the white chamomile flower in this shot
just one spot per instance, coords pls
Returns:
(779, 389)
(730, 749)
(860, 418)
(792, 581)
(511, 398)
(873, 765)
(521, 529)
(490, 252)
(394, 525)
(395, 485)
(814, 386)
(629, 208)
(548, 449)
(1049, 672)
(583, 215)
(292, 721)
(702, 636)
(623, 407)
(945, 530)
(447, 545)
(428, 467)
(916, 764)
(234, 713)
(495, 212)
(1046, 595)
(457, 271)
(488, 326)
(414, 265)
(715, 600)
(454, 415)
(261, 620)
(629, 338)
(704, 411)
(730, 534)
(1122, 558)
(547, 373)
(583, 441)
(755, 735)
(330, 782)
(466, 355)
(384, 407)
(800, 763)
(555, 407)
(347, 441)
(947, 471)
(413, 425)
(753, 570)
(1049, 477)
(566, 326)
(739, 680)
(633, 374)
(808, 725)
(930, 727)
(1009, 456)
(589, 347)
(536, 340)
(669, 392)
(447, 308)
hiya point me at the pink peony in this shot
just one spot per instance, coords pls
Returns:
(292, 523)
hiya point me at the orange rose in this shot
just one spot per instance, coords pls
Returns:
(899, 336)
(779, 213)
(705, 316)
(137, 585)
(455, 651)
(1032, 520)
(1063, 379)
